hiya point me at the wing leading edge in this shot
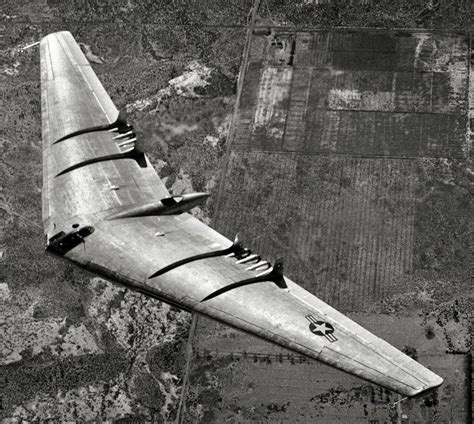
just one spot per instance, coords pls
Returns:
(176, 258)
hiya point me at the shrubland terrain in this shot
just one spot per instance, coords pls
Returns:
(76, 348)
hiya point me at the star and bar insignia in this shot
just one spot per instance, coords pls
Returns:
(321, 328)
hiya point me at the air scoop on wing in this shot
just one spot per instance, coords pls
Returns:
(173, 205)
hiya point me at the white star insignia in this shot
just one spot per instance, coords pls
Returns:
(323, 328)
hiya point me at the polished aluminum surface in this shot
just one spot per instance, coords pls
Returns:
(79, 193)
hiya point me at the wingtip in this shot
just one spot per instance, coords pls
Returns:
(56, 33)
(435, 382)
(430, 386)
(438, 381)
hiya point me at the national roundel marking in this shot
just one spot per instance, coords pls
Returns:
(321, 328)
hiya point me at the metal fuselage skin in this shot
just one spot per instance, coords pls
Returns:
(168, 206)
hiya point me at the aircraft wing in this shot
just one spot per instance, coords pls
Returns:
(95, 181)
(90, 165)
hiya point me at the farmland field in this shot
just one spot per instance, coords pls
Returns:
(329, 133)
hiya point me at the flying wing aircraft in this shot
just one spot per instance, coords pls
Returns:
(106, 210)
